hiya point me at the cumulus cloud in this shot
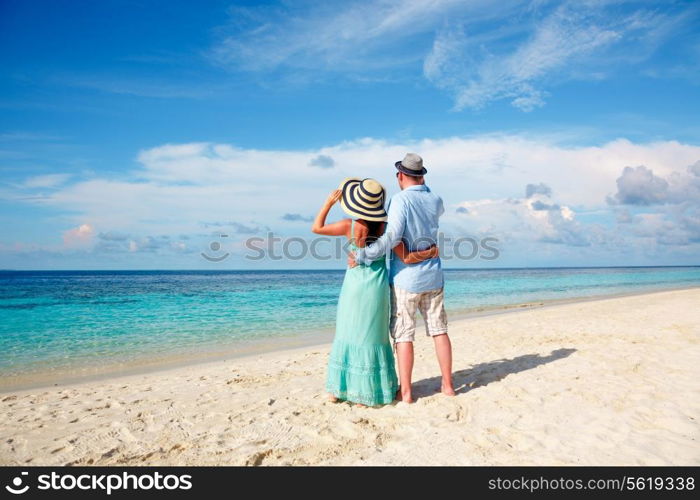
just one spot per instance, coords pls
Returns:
(564, 229)
(668, 227)
(539, 205)
(177, 186)
(624, 217)
(238, 227)
(541, 188)
(112, 236)
(695, 168)
(296, 218)
(639, 186)
(529, 220)
(115, 243)
(78, 236)
(322, 161)
(667, 208)
(245, 229)
(147, 244)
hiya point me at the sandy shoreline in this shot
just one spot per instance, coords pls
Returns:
(603, 382)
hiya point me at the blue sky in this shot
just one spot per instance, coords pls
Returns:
(134, 134)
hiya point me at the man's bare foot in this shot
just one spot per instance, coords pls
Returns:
(448, 390)
(404, 397)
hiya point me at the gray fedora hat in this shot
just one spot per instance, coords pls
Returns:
(412, 164)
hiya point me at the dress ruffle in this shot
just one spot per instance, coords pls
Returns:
(362, 374)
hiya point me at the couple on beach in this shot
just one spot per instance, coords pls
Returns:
(375, 303)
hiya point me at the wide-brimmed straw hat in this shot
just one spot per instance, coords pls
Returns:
(363, 198)
(412, 165)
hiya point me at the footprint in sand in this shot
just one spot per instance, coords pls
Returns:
(258, 458)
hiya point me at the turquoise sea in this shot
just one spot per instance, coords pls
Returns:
(59, 324)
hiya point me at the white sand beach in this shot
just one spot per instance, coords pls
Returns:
(605, 382)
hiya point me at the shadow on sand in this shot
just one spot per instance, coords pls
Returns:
(484, 373)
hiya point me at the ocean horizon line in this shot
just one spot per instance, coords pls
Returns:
(267, 270)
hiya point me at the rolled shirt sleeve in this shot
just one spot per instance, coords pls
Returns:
(396, 223)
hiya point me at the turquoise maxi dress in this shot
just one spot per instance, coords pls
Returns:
(361, 364)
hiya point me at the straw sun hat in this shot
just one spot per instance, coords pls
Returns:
(363, 199)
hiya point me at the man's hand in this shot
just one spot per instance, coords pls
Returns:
(351, 260)
(434, 252)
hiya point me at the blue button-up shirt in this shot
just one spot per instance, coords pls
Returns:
(412, 218)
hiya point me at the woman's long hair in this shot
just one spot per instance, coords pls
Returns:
(375, 230)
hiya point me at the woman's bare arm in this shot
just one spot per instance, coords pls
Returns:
(339, 228)
(415, 257)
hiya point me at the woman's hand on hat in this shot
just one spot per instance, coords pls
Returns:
(334, 197)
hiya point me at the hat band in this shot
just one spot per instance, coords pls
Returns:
(358, 203)
(404, 169)
(410, 168)
(358, 208)
(368, 193)
(374, 202)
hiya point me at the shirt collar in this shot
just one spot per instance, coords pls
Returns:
(418, 187)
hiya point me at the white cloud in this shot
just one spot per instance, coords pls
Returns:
(640, 186)
(322, 161)
(475, 50)
(46, 181)
(573, 41)
(336, 36)
(534, 218)
(671, 205)
(180, 188)
(78, 236)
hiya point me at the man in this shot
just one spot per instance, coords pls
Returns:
(413, 218)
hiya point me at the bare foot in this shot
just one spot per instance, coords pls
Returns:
(448, 390)
(406, 398)
(332, 398)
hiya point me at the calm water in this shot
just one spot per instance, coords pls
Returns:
(70, 320)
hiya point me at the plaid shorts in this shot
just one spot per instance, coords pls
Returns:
(431, 305)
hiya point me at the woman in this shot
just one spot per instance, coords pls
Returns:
(361, 364)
